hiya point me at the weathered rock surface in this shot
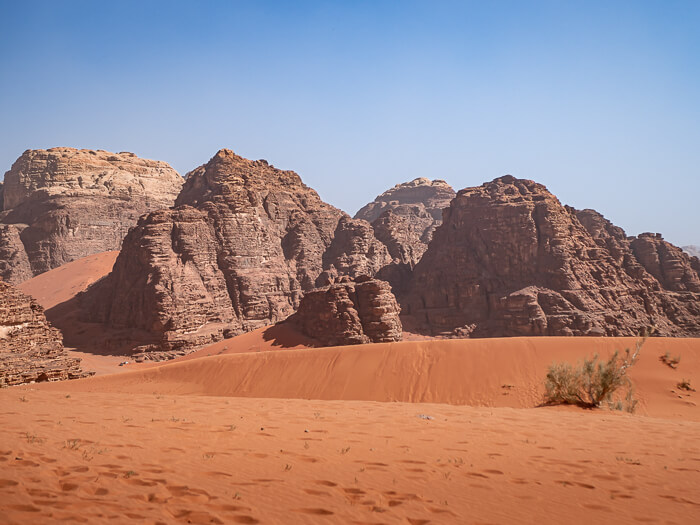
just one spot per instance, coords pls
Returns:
(349, 313)
(242, 245)
(354, 251)
(510, 260)
(66, 204)
(30, 348)
(405, 217)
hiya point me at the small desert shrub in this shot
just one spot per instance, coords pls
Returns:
(593, 381)
(685, 385)
(670, 361)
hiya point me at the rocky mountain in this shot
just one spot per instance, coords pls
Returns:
(30, 349)
(510, 260)
(62, 204)
(349, 312)
(405, 217)
(242, 245)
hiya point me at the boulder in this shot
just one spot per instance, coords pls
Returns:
(349, 313)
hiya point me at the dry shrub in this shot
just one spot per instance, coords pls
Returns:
(593, 382)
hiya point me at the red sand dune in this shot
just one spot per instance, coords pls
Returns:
(63, 283)
(505, 372)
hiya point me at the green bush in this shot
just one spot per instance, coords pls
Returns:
(594, 382)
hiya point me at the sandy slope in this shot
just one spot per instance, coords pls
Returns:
(481, 372)
(63, 283)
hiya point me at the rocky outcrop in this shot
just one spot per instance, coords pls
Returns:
(2, 196)
(510, 260)
(66, 204)
(405, 217)
(242, 245)
(349, 313)
(31, 350)
(14, 263)
(354, 251)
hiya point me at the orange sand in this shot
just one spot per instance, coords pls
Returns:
(480, 372)
(63, 283)
(99, 457)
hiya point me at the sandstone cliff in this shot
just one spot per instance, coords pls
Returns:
(510, 260)
(348, 313)
(243, 243)
(63, 204)
(30, 348)
(405, 217)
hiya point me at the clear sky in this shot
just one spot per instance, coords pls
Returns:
(599, 101)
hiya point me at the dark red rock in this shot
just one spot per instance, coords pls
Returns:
(348, 313)
(509, 260)
(237, 253)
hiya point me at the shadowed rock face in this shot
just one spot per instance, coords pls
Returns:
(63, 204)
(30, 348)
(243, 243)
(348, 313)
(509, 260)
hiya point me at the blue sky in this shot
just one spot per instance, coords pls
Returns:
(599, 101)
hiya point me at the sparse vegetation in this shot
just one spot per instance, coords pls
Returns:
(685, 385)
(593, 382)
(672, 362)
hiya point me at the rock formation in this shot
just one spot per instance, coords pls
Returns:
(354, 251)
(405, 217)
(30, 349)
(510, 260)
(349, 313)
(242, 245)
(63, 204)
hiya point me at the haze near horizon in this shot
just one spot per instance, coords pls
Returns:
(598, 101)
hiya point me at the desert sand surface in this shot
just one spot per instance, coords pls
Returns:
(500, 372)
(65, 282)
(149, 458)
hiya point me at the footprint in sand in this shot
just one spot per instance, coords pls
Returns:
(315, 512)
(326, 483)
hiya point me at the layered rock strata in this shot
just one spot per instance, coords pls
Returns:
(349, 313)
(31, 350)
(242, 245)
(510, 260)
(405, 217)
(63, 204)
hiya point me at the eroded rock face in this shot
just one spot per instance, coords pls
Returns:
(242, 245)
(68, 203)
(405, 217)
(30, 348)
(349, 313)
(354, 251)
(510, 260)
